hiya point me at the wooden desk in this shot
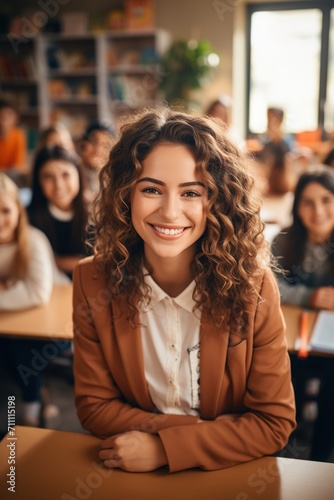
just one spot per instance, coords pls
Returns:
(52, 320)
(63, 465)
(292, 319)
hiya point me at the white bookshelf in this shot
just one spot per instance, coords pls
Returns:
(79, 78)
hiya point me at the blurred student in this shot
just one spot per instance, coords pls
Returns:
(27, 275)
(57, 206)
(275, 129)
(13, 142)
(56, 135)
(276, 146)
(221, 108)
(305, 251)
(179, 343)
(94, 149)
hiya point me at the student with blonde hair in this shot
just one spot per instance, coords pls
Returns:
(27, 266)
(27, 274)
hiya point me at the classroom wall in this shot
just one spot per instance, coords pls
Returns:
(215, 20)
(199, 19)
(187, 18)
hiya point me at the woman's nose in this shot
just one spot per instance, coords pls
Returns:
(170, 208)
(319, 208)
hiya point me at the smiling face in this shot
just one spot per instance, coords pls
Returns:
(9, 218)
(316, 211)
(60, 183)
(168, 204)
(95, 151)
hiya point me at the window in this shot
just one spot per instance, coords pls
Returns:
(291, 64)
(329, 107)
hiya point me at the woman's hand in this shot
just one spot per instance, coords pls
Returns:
(133, 451)
(323, 298)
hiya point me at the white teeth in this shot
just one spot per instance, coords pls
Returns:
(170, 232)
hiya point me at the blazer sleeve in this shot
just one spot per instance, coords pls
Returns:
(265, 426)
(101, 407)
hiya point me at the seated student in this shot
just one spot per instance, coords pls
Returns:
(94, 149)
(27, 275)
(275, 154)
(179, 345)
(305, 252)
(13, 142)
(57, 205)
(56, 135)
(221, 108)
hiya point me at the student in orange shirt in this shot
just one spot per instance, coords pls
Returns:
(13, 143)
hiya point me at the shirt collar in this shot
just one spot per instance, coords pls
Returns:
(184, 300)
(63, 215)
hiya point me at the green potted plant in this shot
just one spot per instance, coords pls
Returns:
(185, 66)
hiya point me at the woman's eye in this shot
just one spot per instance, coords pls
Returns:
(191, 194)
(46, 177)
(150, 190)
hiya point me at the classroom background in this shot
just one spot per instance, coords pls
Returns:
(268, 68)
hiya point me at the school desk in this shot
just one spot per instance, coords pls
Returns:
(292, 316)
(64, 465)
(52, 320)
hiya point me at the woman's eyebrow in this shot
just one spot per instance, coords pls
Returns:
(160, 183)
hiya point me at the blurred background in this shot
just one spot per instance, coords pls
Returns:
(74, 61)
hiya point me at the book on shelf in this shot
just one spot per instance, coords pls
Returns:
(69, 60)
(17, 68)
(142, 56)
(131, 89)
(115, 87)
(139, 14)
(61, 88)
(75, 23)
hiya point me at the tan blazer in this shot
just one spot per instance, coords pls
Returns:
(247, 385)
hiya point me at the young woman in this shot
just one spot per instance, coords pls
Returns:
(305, 251)
(27, 275)
(57, 206)
(179, 356)
(94, 149)
(27, 267)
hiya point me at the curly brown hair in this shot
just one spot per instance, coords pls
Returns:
(231, 252)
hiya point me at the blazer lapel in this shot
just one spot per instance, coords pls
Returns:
(130, 349)
(214, 343)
